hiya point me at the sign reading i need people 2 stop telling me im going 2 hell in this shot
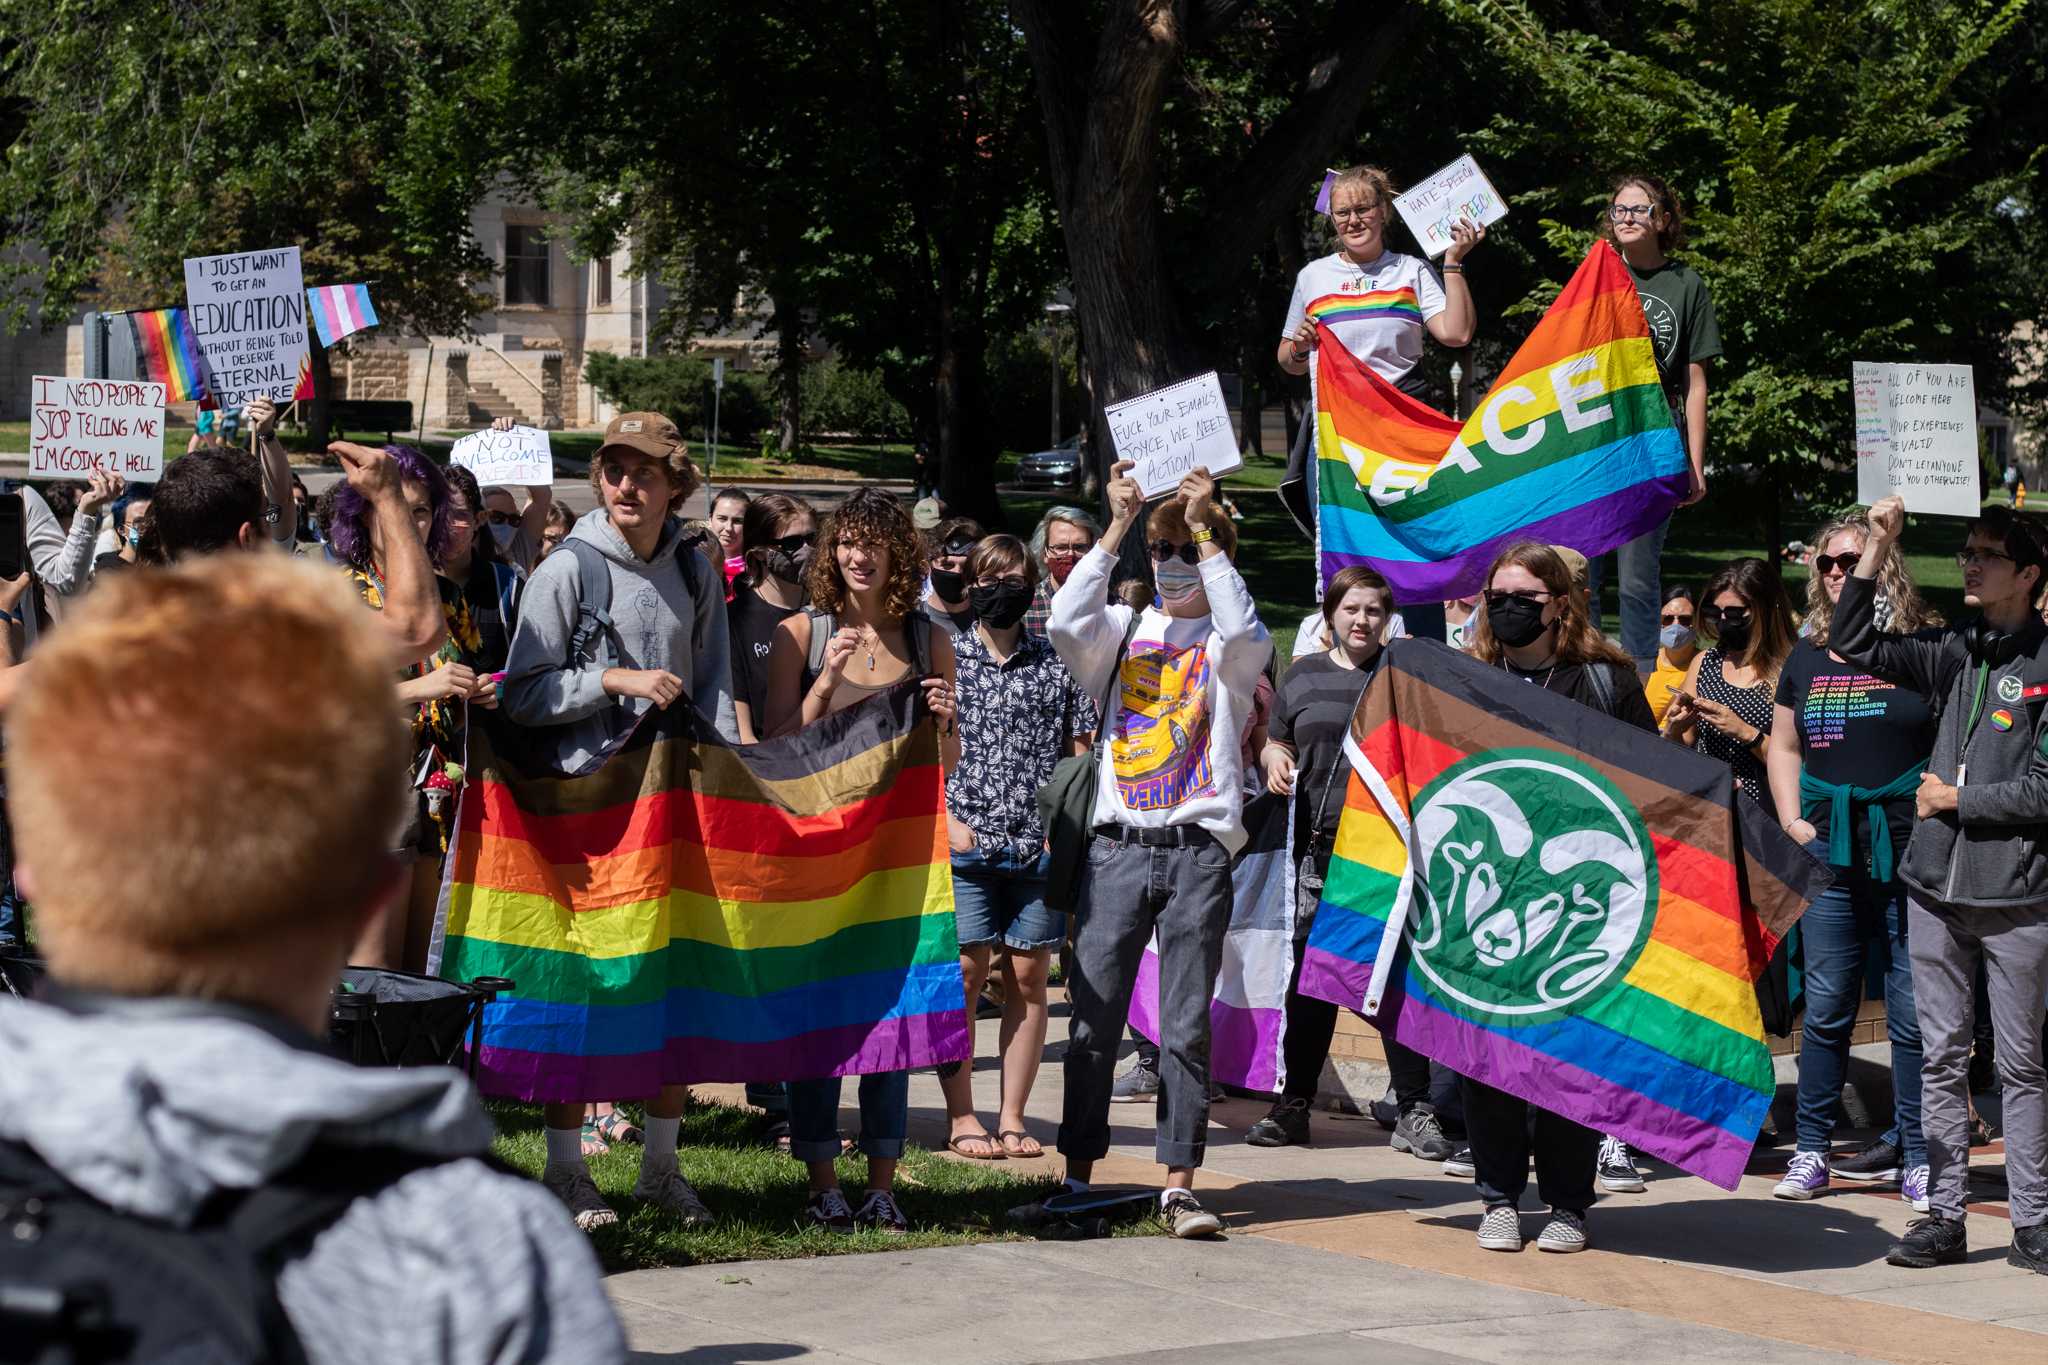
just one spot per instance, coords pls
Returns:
(81, 427)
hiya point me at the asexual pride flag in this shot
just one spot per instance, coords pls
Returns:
(1560, 905)
(1574, 445)
(694, 912)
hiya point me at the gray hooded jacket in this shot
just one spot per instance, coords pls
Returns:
(151, 1106)
(659, 625)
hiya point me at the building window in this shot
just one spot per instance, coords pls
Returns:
(603, 267)
(526, 264)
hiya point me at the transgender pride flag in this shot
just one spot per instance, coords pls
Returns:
(340, 311)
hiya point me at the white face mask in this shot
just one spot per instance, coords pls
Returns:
(1178, 583)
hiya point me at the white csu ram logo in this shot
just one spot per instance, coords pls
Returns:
(1535, 885)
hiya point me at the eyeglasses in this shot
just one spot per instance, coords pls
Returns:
(1065, 551)
(1494, 596)
(789, 545)
(1360, 211)
(1823, 565)
(1624, 213)
(1163, 550)
(1007, 581)
(1725, 615)
(502, 518)
(1967, 558)
(1677, 618)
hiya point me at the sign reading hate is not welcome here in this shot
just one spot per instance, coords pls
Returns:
(248, 315)
(80, 427)
(1916, 436)
(1170, 432)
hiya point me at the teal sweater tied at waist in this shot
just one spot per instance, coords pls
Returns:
(1841, 799)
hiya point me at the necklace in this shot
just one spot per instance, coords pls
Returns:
(1547, 676)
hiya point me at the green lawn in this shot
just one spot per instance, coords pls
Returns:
(758, 1194)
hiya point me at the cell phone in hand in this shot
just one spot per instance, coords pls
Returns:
(13, 536)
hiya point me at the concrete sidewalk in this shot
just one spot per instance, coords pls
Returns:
(1345, 1243)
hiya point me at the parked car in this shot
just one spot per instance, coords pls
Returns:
(1057, 470)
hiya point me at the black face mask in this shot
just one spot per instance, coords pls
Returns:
(949, 584)
(1515, 621)
(1733, 636)
(1000, 605)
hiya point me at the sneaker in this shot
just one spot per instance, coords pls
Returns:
(1930, 1241)
(1386, 1111)
(1566, 1231)
(881, 1212)
(1501, 1228)
(574, 1187)
(1285, 1125)
(1459, 1163)
(1187, 1218)
(1618, 1173)
(1806, 1177)
(664, 1187)
(2029, 1248)
(829, 1210)
(1141, 1082)
(1913, 1188)
(1877, 1162)
(1419, 1133)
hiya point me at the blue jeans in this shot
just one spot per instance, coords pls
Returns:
(814, 1116)
(999, 896)
(1836, 931)
(1639, 564)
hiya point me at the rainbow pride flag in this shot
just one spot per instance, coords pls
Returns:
(1392, 304)
(1560, 905)
(169, 356)
(1573, 446)
(690, 911)
(340, 311)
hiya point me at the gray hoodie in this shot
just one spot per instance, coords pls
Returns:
(152, 1105)
(659, 624)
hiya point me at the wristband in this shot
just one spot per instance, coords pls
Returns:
(1299, 355)
(1200, 535)
(1452, 268)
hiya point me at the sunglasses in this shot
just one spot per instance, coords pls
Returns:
(1494, 597)
(1677, 618)
(1823, 565)
(502, 518)
(1725, 615)
(1163, 550)
(789, 545)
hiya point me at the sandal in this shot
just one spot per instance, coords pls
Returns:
(593, 1142)
(616, 1127)
(1018, 1148)
(994, 1152)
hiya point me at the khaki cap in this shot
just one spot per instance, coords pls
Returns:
(650, 433)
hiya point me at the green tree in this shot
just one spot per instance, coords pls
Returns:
(142, 132)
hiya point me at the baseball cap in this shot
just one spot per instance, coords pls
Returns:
(927, 514)
(1574, 564)
(650, 433)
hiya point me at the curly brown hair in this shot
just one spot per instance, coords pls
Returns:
(877, 520)
(1671, 234)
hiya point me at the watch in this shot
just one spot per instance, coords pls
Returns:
(1201, 536)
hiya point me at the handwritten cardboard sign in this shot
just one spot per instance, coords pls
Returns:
(519, 456)
(1916, 435)
(248, 316)
(1459, 190)
(1170, 432)
(79, 427)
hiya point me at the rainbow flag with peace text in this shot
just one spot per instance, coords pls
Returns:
(1573, 446)
(691, 911)
(1560, 905)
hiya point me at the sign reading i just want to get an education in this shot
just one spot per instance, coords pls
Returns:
(1170, 432)
(1916, 436)
(81, 427)
(248, 315)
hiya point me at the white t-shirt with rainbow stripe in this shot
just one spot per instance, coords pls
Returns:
(1376, 310)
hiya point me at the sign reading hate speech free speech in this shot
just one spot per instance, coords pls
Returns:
(248, 316)
(1170, 432)
(497, 458)
(81, 427)
(1459, 190)
(1916, 436)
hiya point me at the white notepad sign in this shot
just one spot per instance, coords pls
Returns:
(1459, 190)
(1170, 432)
(1916, 435)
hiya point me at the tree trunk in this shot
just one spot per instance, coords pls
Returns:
(965, 477)
(319, 406)
(789, 372)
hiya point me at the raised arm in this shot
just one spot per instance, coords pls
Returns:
(412, 600)
(280, 511)
(1925, 665)
(1084, 628)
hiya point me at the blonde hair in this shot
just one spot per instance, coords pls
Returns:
(248, 700)
(1909, 613)
(1579, 641)
(1371, 179)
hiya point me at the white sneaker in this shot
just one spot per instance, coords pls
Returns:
(1566, 1231)
(574, 1187)
(1501, 1229)
(664, 1187)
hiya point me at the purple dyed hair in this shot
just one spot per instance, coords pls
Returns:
(350, 531)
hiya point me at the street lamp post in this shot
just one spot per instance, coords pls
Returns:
(1052, 329)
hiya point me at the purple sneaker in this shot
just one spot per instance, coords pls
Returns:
(1806, 1177)
(1913, 1188)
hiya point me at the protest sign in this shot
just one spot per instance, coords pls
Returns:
(1459, 190)
(248, 314)
(1916, 436)
(519, 456)
(1170, 432)
(79, 427)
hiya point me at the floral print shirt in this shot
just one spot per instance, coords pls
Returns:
(1016, 720)
(436, 724)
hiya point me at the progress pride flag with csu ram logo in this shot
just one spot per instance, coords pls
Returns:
(1574, 446)
(1560, 905)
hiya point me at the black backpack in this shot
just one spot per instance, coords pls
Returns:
(81, 1282)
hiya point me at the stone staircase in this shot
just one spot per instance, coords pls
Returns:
(487, 403)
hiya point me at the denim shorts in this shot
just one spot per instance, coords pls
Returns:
(997, 896)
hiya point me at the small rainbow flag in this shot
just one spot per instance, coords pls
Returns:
(1574, 445)
(340, 311)
(1560, 905)
(1393, 304)
(169, 356)
(689, 911)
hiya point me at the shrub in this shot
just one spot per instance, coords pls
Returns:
(842, 401)
(680, 387)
